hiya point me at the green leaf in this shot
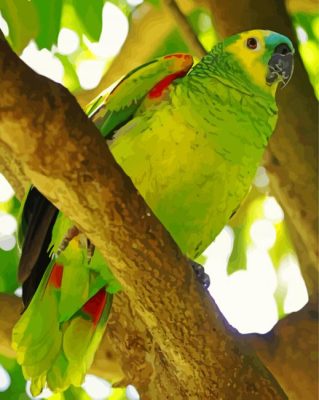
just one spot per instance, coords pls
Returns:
(123, 6)
(241, 223)
(90, 16)
(49, 13)
(23, 22)
(70, 79)
(8, 270)
(9, 259)
(16, 390)
(173, 43)
(76, 393)
(238, 258)
(118, 394)
(154, 2)
(11, 206)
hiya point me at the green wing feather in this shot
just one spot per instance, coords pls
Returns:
(112, 109)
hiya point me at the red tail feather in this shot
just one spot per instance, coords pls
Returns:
(94, 307)
(56, 276)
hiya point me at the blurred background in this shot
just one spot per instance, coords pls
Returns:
(86, 46)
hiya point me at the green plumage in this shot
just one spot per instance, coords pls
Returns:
(191, 141)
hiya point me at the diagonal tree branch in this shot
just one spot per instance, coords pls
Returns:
(64, 155)
(191, 39)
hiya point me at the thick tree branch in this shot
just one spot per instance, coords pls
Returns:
(66, 158)
(192, 40)
(12, 170)
(290, 352)
(305, 6)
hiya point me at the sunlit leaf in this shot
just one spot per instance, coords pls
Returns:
(70, 80)
(9, 259)
(22, 20)
(16, 390)
(49, 13)
(249, 211)
(154, 2)
(11, 206)
(282, 245)
(76, 393)
(309, 47)
(90, 16)
(173, 43)
(280, 249)
(118, 394)
(123, 5)
(8, 270)
(238, 257)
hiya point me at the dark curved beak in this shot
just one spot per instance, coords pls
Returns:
(281, 65)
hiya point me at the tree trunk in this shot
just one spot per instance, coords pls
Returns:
(290, 352)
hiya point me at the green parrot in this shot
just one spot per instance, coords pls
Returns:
(191, 138)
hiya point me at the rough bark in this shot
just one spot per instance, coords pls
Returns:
(193, 42)
(290, 350)
(307, 6)
(64, 155)
(12, 170)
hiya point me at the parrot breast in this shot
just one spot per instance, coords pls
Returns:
(193, 158)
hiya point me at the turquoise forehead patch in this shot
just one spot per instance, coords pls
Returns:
(274, 39)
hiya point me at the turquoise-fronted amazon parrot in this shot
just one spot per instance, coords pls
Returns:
(191, 138)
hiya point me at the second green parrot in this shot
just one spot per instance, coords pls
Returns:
(191, 139)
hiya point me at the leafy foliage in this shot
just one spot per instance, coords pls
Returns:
(89, 14)
(9, 259)
(23, 21)
(309, 45)
(51, 12)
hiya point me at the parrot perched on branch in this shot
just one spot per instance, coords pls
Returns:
(191, 139)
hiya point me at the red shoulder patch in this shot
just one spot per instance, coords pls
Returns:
(183, 65)
(159, 88)
(179, 55)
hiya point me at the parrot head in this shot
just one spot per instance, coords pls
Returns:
(266, 56)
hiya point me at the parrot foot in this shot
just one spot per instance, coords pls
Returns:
(90, 250)
(202, 277)
(71, 234)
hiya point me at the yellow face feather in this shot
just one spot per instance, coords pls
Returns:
(255, 60)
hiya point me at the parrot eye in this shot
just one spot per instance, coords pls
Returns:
(252, 43)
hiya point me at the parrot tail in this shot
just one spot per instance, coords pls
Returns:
(53, 352)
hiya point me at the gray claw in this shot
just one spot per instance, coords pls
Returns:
(201, 275)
